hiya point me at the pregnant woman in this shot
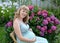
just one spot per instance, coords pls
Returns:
(24, 34)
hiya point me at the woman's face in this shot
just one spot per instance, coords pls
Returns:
(23, 13)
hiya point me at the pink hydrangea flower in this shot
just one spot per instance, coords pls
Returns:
(45, 27)
(49, 31)
(48, 19)
(45, 11)
(52, 17)
(30, 17)
(32, 14)
(31, 7)
(38, 27)
(39, 13)
(44, 14)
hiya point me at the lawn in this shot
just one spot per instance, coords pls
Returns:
(2, 35)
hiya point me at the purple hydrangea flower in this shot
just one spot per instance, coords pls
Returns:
(44, 11)
(43, 29)
(53, 28)
(9, 24)
(45, 22)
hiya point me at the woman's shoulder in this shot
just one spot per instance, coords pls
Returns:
(16, 21)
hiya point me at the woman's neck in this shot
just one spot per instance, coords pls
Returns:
(20, 19)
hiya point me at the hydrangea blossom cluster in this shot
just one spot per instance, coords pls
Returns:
(45, 23)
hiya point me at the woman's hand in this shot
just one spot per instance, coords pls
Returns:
(34, 39)
(30, 29)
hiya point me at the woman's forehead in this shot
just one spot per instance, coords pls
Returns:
(25, 10)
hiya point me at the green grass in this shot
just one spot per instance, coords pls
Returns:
(2, 35)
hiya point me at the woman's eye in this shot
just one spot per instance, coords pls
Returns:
(23, 11)
(26, 12)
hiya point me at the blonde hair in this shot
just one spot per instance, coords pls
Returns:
(17, 13)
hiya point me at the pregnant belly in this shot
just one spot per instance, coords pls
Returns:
(29, 35)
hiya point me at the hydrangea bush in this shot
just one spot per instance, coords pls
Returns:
(43, 22)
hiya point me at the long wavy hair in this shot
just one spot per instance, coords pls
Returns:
(17, 13)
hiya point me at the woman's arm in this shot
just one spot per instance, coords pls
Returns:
(12, 36)
(18, 32)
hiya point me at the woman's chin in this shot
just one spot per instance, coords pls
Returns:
(23, 17)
